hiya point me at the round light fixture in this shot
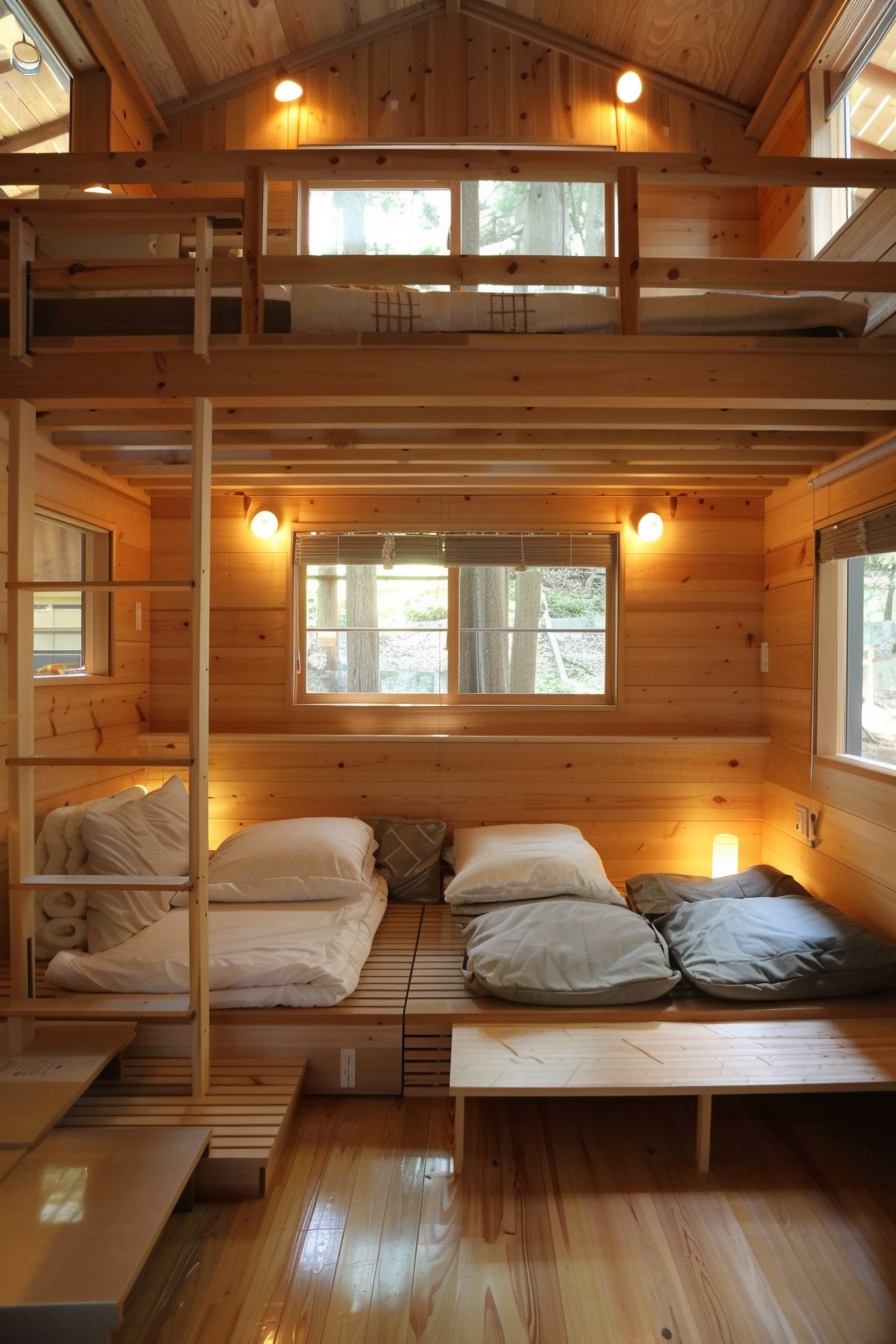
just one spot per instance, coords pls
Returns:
(25, 57)
(650, 527)
(629, 87)
(265, 524)
(288, 89)
(98, 189)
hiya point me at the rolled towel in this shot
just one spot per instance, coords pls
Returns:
(65, 904)
(62, 935)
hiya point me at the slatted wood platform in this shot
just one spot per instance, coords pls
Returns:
(248, 1109)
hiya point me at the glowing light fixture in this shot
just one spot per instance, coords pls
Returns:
(629, 87)
(724, 855)
(25, 57)
(650, 527)
(265, 524)
(288, 89)
(98, 189)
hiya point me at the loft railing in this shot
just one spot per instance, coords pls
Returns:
(238, 199)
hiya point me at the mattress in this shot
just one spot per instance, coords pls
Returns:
(298, 956)
(325, 309)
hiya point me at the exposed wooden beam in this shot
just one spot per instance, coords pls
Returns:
(567, 45)
(98, 32)
(462, 163)
(35, 135)
(296, 61)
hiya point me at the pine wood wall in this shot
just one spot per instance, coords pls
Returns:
(81, 716)
(650, 782)
(854, 865)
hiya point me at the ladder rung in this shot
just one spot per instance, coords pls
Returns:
(101, 585)
(108, 881)
(110, 762)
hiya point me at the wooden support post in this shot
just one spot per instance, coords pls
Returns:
(202, 287)
(704, 1122)
(199, 705)
(21, 254)
(22, 453)
(255, 232)
(629, 251)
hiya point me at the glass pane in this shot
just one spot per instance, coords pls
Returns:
(877, 737)
(58, 617)
(532, 632)
(373, 630)
(415, 222)
(558, 219)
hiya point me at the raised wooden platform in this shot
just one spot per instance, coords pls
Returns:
(248, 1109)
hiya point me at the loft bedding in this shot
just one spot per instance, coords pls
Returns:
(294, 904)
(329, 309)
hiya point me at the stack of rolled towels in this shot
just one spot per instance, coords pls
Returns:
(64, 923)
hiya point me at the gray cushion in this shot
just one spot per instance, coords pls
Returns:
(654, 894)
(567, 952)
(784, 947)
(409, 857)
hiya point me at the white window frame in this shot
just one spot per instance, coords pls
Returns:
(96, 605)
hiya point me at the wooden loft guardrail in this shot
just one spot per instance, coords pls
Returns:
(250, 173)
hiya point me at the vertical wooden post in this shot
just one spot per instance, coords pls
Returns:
(21, 254)
(22, 446)
(202, 287)
(255, 232)
(200, 553)
(629, 252)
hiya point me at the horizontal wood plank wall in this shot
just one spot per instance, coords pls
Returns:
(853, 867)
(784, 211)
(644, 805)
(79, 716)
(690, 624)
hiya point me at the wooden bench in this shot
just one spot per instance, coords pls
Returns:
(81, 1214)
(702, 1059)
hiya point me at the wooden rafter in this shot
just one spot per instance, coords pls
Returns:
(99, 34)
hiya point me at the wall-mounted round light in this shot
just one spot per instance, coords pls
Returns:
(287, 89)
(629, 87)
(650, 527)
(98, 189)
(25, 57)
(265, 524)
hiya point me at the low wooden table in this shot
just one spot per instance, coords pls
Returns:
(81, 1214)
(701, 1059)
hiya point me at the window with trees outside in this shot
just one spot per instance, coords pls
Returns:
(429, 617)
(495, 218)
(71, 625)
(856, 706)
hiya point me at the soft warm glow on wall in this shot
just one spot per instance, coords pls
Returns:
(724, 855)
(650, 527)
(629, 87)
(264, 524)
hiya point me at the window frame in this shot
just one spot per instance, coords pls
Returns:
(96, 604)
(453, 697)
(837, 716)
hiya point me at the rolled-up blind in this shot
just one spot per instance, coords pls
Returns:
(534, 550)
(869, 534)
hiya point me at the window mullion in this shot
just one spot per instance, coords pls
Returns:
(453, 632)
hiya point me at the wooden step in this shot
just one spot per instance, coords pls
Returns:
(248, 1109)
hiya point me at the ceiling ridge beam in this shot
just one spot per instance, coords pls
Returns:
(567, 45)
(296, 61)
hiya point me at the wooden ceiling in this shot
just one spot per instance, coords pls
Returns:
(742, 56)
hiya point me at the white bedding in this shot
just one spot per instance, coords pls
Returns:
(331, 309)
(300, 956)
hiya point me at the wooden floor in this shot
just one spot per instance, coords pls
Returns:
(575, 1222)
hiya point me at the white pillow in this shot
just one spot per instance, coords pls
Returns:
(147, 836)
(526, 862)
(299, 859)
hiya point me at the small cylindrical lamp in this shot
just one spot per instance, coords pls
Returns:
(724, 855)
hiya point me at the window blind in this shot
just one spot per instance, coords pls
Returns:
(531, 550)
(869, 534)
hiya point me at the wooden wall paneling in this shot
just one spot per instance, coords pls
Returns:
(501, 122)
(784, 226)
(379, 91)
(478, 78)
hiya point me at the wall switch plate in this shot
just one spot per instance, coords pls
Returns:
(801, 824)
(138, 615)
(763, 657)
(346, 1068)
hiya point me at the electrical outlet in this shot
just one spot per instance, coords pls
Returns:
(347, 1068)
(801, 825)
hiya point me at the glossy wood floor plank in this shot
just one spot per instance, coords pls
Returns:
(576, 1221)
